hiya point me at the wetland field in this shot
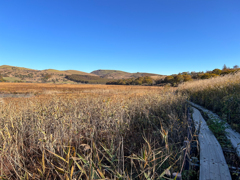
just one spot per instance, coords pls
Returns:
(50, 131)
(79, 131)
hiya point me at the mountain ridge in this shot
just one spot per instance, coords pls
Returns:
(117, 74)
(22, 74)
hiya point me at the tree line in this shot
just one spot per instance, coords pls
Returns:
(87, 79)
(146, 80)
(176, 79)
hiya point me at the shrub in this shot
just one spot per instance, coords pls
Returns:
(206, 76)
(178, 79)
(187, 78)
(216, 71)
(169, 79)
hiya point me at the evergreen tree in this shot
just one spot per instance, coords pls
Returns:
(224, 67)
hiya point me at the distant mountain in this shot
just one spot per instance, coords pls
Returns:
(67, 72)
(116, 74)
(79, 72)
(21, 74)
(7, 67)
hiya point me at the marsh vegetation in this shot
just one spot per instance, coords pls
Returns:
(91, 132)
(219, 94)
(104, 131)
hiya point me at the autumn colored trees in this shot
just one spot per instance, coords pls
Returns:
(146, 80)
(175, 80)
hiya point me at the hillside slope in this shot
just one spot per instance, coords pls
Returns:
(79, 72)
(116, 74)
(21, 74)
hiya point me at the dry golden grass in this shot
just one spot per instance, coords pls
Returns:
(90, 132)
(39, 87)
(229, 81)
(220, 94)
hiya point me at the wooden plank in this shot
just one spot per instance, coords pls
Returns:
(232, 135)
(212, 161)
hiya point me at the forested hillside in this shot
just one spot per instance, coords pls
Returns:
(147, 80)
(87, 79)
(115, 74)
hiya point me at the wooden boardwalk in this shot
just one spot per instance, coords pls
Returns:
(232, 135)
(213, 165)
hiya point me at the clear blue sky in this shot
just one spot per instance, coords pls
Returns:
(157, 36)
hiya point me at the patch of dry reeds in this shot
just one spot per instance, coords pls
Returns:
(220, 94)
(121, 133)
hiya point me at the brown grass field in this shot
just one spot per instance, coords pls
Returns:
(219, 94)
(40, 87)
(90, 131)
